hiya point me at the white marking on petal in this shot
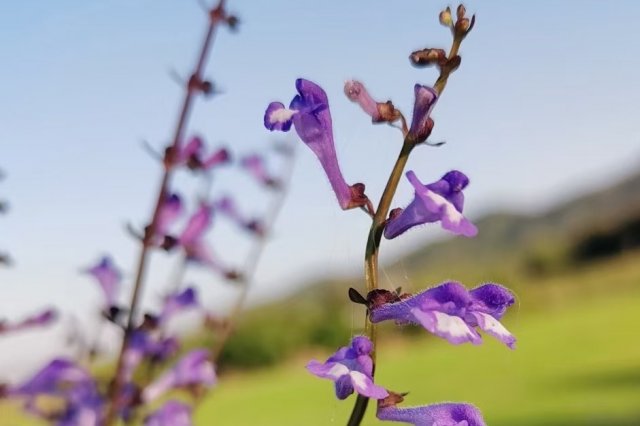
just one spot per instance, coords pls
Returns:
(338, 370)
(281, 115)
(493, 327)
(452, 325)
(358, 379)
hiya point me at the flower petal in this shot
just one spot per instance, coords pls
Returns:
(329, 370)
(492, 326)
(444, 414)
(277, 117)
(365, 386)
(450, 327)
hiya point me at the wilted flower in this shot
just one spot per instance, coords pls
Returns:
(172, 413)
(444, 414)
(449, 311)
(350, 368)
(193, 369)
(310, 115)
(438, 201)
(379, 112)
(421, 123)
(108, 277)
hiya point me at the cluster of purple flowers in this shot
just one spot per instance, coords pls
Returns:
(448, 310)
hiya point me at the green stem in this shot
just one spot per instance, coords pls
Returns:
(371, 262)
(375, 235)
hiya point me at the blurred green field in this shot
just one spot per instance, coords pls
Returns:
(573, 366)
(577, 363)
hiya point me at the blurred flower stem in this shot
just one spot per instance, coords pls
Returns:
(191, 90)
(377, 227)
(253, 258)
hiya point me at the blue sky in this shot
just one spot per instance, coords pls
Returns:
(544, 107)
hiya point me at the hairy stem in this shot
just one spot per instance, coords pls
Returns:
(375, 236)
(190, 92)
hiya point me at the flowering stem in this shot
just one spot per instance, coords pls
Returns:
(254, 258)
(371, 262)
(189, 96)
(376, 230)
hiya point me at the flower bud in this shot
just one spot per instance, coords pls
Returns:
(427, 57)
(461, 11)
(445, 17)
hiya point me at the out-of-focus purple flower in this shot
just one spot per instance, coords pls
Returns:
(197, 225)
(439, 201)
(192, 156)
(255, 165)
(226, 206)
(444, 414)
(40, 319)
(449, 311)
(172, 413)
(170, 211)
(178, 301)
(350, 368)
(143, 344)
(421, 123)
(309, 113)
(56, 378)
(108, 277)
(194, 368)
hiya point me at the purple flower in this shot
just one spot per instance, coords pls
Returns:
(57, 378)
(309, 113)
(172, 413)
(444, 414)
(226, 206)
(108, 277)
(254, 164)
(170, 211)
(193, 157)
(422, 124)
(439, 201)
(450, 311)
(350, 368)
(40, 319)
(194, 368)
(178, 301)
(144, 345)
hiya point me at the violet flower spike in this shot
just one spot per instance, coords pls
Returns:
(444, 414)
(172, 413)
(192, 369)
(310, 115)
(108, 277)
(441, 201)
(451, 312)
(421, 123)
(351, 369)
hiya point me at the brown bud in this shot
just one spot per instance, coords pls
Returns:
(462, 26)
(452, 64)
(387, 112)
(461, 11)
(232, 21)
(391, 400)
(445, 17)
(395, 213)
(427, 57)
